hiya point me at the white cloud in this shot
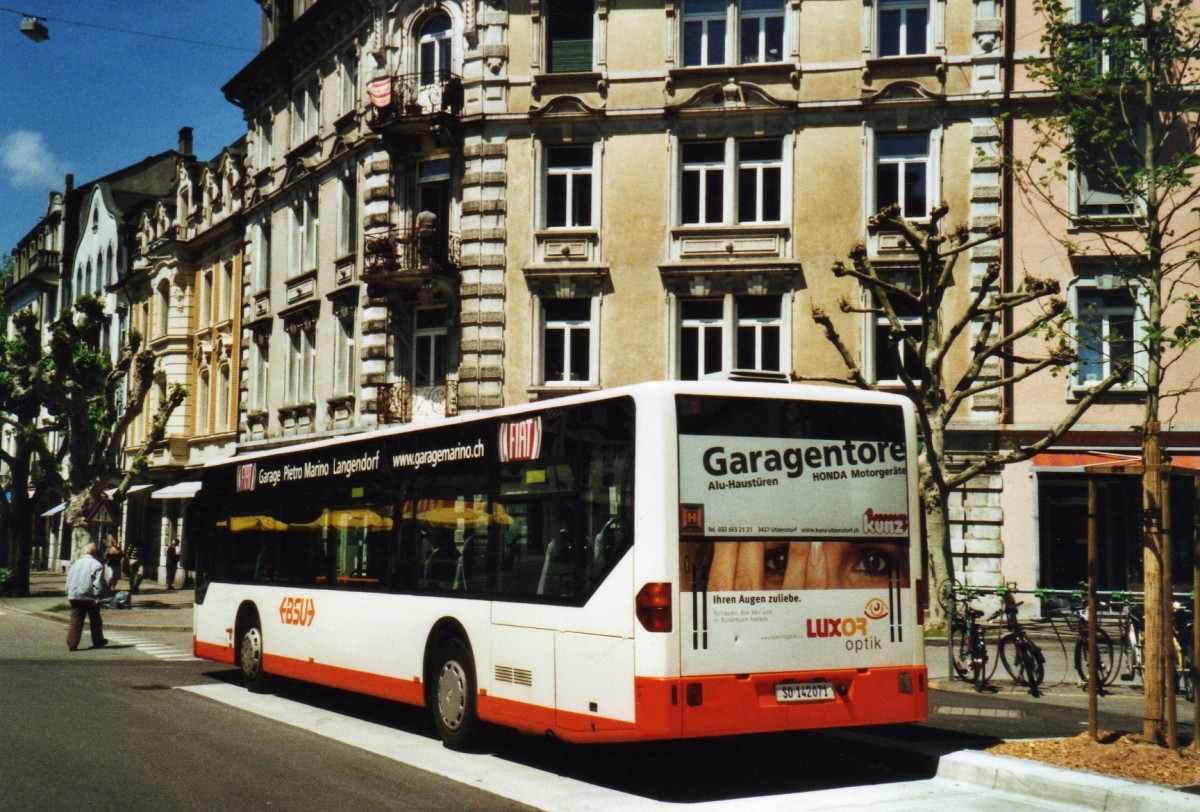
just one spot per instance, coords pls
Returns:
(28, 162)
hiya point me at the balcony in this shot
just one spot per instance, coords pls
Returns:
(417, 104)
(409, 259)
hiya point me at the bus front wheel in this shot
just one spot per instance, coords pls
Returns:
(250, 657)
(452, 702)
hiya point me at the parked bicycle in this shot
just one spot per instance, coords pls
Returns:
(1131, 662)
(967, 636)
(1022, 658)
(1077, 621)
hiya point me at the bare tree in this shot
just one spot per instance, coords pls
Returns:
(962, 349)
(93, 401)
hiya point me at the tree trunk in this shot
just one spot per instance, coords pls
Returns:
(1152, 675)
(79, 509)
(937, 523)
(20, 520)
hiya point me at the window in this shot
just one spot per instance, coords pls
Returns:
(343, 355)
(223, 398)
(569, 187)
(306, 110)
(226, 291)
(348, 81)
(1104, 180)
(730, 332)
(202, 398)
(1114, 18)
(758, 332)
(882, 363)
(347, 216)
(901, 170)
(262, 257)
(301, 364)
(429, 348)
(261, 360)
(708, 193)
(569, 36)
(903, 27)
(707, 25)
(302, 255)
(760, 178)
(701, 337)
(566, 341)
(164, 309)
(1106, 318)
(204, 306)
(433, 49)
(264, 143)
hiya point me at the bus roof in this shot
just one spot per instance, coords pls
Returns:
(645, 390)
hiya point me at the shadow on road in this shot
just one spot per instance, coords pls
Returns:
(686, 771)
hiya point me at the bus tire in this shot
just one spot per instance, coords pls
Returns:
(250, 656)
(452, 698)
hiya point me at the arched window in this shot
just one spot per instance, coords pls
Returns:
(433, 48)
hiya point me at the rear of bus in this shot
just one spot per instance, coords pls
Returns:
(795, 519)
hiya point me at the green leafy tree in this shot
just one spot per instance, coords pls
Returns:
(961, 351)
(1115, 155)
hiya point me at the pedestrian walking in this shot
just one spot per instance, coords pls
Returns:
(172, 562)
(85, 587)
(133, 557)
(112, 562)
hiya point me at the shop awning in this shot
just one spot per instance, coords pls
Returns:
(1084, 461)
(132, 489)
(57, 509)
(180, 490)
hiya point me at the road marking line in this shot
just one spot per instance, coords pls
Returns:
(998, 713)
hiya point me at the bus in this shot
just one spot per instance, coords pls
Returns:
(663, 560)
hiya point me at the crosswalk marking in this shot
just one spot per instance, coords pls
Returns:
(161, 651)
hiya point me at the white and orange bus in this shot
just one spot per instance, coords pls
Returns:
(658, 561)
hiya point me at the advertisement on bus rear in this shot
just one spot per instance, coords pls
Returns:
(792, 545)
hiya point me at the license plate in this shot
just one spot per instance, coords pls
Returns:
(803, 691)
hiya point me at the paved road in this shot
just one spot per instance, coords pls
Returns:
(142, 725)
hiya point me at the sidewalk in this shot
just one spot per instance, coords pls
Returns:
(155, 608)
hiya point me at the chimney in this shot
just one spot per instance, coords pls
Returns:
(185, 141)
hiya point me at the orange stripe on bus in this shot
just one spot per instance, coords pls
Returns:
(212, 651)
(409, 691)
(727, 704)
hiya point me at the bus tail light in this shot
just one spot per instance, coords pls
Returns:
(654, 607)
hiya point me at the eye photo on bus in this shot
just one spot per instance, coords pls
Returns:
(724, 566)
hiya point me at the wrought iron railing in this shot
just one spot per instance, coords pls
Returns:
(415, 96)
(411, 252)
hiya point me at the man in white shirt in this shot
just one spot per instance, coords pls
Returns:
(85, 587)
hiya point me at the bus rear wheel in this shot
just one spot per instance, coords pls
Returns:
(250, 657)
(452, 701)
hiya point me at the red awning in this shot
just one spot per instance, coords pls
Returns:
(1093, 460)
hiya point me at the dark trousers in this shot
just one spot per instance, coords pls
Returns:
(171, 567)
(79, 610)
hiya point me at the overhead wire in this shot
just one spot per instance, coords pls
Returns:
(115, 29)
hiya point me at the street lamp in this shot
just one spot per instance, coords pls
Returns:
(33, 28)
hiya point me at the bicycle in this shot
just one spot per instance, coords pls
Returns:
(1021, 657)
(1077, 621)
(967, 636)
(1132, 624)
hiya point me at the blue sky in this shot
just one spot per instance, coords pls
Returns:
(90, 100)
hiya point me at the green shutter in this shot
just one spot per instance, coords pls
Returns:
(570, 55)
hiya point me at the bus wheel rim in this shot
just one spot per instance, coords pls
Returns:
(452, 695)
(251, 652)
